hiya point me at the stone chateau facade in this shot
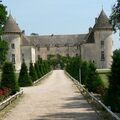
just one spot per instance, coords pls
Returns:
(96, 45)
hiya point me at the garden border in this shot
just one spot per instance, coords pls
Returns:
(10, 99)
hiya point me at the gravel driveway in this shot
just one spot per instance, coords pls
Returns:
(56, 98)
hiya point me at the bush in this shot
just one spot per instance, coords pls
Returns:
(93, 82)
(24, 78)
(112, 97)
(37, 70)
(8, 78)
(32, 72)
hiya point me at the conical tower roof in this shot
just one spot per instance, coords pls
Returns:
(102, 22)
(11, 26)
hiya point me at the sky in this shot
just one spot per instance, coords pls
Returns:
(47, 17)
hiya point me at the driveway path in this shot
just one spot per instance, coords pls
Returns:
(56, 98)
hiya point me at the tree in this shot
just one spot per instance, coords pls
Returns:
(115, 16)
(3, 44)
(3, 51)
(93, 82)
(32, 72)
(24, 78)
(34, 34)
(3, 16)
(8, 77)
(112, 97)
(84, 72)
(37, 70)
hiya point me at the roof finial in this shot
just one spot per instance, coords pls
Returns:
(102, 7)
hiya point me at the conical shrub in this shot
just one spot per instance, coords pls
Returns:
(24, 78)
(8, 77)
(32, 72)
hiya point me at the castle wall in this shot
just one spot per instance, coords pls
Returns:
(16, 40)
(43, 52)
(107, 37)
(88, 52)
(28, 55)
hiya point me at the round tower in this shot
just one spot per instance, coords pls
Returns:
(103, 36)
(12, 34)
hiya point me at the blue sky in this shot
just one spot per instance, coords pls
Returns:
(58, 16)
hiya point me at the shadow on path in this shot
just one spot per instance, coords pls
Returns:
(84, 111)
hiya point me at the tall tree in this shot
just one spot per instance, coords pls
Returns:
(115, 16)
(3, 44)
(112, 97)
(3, 16)
(3, 51)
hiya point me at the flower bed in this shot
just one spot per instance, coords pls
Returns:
(4, 93)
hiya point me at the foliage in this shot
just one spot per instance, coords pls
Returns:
(115, 16)
(32, 72)
(3, 16)
(34, 34)
(84, 72)
(4, 93)
(73, 66)
(37, 70)
(8, 78)
(89, 77)
(24, 79)
(112, 97)
(3, 51)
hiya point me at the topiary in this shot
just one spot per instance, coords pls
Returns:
(32, 72)
(8, 77)
(24, 78)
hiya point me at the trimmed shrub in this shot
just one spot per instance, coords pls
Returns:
(94, 82)
(32, 72)
(8, 78)
(24, 78)
(37, 70)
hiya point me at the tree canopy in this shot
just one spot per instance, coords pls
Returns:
(3, 16)
(3, 44)
(115, 16)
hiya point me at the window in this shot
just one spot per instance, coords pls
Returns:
(13, 46)
(38, 48)
(38, 56)
(102, 56)
(13, 58)
(102, 44)
(23, 56)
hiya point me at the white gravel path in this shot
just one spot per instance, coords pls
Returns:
(56, 98)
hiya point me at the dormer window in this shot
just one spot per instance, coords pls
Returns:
(13, 46)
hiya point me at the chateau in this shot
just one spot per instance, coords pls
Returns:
(96, 45)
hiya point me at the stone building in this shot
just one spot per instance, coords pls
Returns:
(96, 45)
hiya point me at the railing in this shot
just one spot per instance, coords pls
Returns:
(103, 111)
(10, 100)
(46, 75)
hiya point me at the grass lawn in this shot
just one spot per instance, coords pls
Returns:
(105, 79)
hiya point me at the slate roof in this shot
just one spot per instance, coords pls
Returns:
(56, 40)
(102, 22)
(25, 41)
(11, 26)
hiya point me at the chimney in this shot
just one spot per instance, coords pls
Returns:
(96, 20)
(23, 32)
(90, 29)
